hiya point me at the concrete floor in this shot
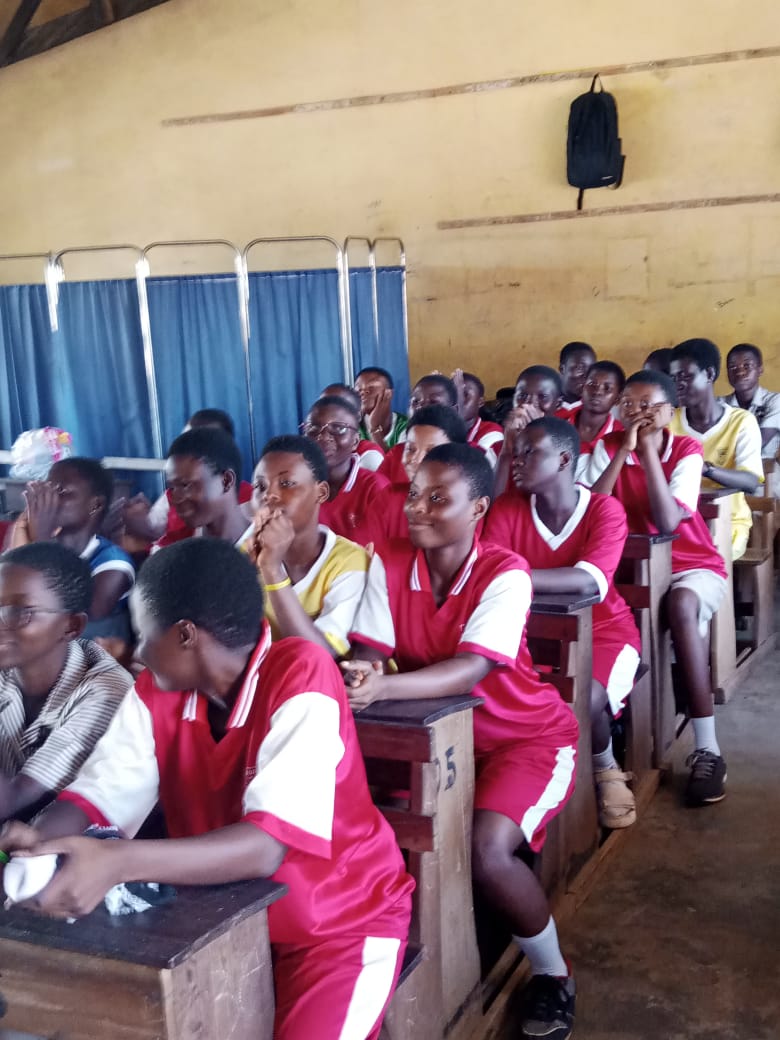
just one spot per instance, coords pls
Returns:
(680, 939)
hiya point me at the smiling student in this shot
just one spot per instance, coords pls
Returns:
(450, 612)
(574, 361)
(252, 752)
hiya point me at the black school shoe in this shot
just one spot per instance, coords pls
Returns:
(548, 1011)
(707, 782)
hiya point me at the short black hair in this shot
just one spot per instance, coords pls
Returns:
(342, 390)
(573, 348)
(747, 348)
(702, 352)
(99, 479)
(469, 377)
(442, 416)
(63, 570)
(647, 375)
(542, 372)
(293, 444)
(208, 582)
(437, 379)
(213, 446)
(333, 401)
(611, 368)
(213, 417)
(563, 434)
(474, 467)
(375, 370)
(662, 357)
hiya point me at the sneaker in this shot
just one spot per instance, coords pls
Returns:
(707, 782)
(548, 1012)
(617, 807)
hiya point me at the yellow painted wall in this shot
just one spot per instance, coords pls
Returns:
(87, 160)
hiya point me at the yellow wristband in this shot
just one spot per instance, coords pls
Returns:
(278, 585)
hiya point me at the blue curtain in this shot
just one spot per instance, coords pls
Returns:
(28, 397)
(390, 350)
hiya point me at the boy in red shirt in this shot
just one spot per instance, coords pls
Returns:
(252, 751)
(573, 541)
(451, 613)
(657, 477)
(593, 417)
(483, 434)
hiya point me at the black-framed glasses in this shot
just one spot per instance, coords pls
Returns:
(14, 616)
(335, 429)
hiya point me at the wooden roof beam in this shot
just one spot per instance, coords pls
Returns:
(14, 34)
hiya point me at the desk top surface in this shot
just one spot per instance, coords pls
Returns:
(160, 937)
(560, 603)
(415, 712)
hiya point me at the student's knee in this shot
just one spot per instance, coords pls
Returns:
(599, 701)
(682, 607)
(493, 842)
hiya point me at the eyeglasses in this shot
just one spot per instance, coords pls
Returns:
(335, 429)
(13, 616)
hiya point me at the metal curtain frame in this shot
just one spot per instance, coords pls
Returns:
(374, 291)
(345, 322)
(242, 285)
(399, 243)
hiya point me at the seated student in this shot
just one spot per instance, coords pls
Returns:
(483, 434)
(656, 474)
(313, 578)
(145, 523)
(538, 392)
(450, 611)
(573, 363)
(659, 360)
(730, 437)
(69, 506)
(371, 455)
(434, 388)
(573, 540)
(251, 750)
(332, 423)
(593, 418)
(58, 692)
(430, 425)
(744, 368)
(202, 473)
(380, 423)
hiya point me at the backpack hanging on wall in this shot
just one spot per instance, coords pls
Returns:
(593, 156)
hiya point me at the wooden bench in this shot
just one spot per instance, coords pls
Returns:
(199, 967)
(754, 581)
(420, 765)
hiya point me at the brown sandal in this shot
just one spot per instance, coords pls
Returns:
(617, 807)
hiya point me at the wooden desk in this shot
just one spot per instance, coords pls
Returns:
(560, 635)
(715, 507)
(422, 753)
(200, 967)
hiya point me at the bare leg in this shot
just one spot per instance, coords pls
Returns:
(690, 650)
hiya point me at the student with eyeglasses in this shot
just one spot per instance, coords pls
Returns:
(333, 424)
(58, 692)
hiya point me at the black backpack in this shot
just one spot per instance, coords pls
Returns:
(593, 157)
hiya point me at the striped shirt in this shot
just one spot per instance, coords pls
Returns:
(80, 705)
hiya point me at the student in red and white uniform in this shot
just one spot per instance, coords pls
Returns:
(593, 417)
(483, 434)
(656, 475)
(333, 424)
(252, 751)
(573, 363)
(538, 392)
(450, 612)
(434, 388)
(371, 456)
(430, 425)
(573, 541)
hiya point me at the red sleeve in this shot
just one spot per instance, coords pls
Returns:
(607, 530)
(500, 523)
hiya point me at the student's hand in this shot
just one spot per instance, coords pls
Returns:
(43, 504)
(15, 836)
(380, 418)
(113, 526)
(136, 516)
(88, 868)
(460, 385)
(631, 435)
(273, 536)
(362, 680)
(515, 422)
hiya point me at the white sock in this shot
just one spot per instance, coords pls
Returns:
(544, 953)
(704, 734)
(605, 759)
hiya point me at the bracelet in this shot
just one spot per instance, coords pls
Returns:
(4, 857)
(276, 585)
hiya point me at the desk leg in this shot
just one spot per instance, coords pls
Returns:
(658, 578)
(723, 636)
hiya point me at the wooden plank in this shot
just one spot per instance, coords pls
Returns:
(415, 832)
(14, 34)
(716, 510)
(397, 743)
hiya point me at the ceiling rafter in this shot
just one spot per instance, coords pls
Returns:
(14, 34)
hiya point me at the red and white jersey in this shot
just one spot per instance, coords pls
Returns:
(386, 517)
(488, 437)
(392, 466)
(484, 613)
(346, 514)
(611, 425)
(592, 539)
(681, 462)
(289, 764)
(371, 455)
(565, 409)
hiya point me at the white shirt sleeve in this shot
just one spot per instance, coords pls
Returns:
(374, 619)
(371, 460)
(685, 482)
(339, 607)
(497, 624)
(747, 450)
(158, 514)
(596, 463)
(121, 778)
